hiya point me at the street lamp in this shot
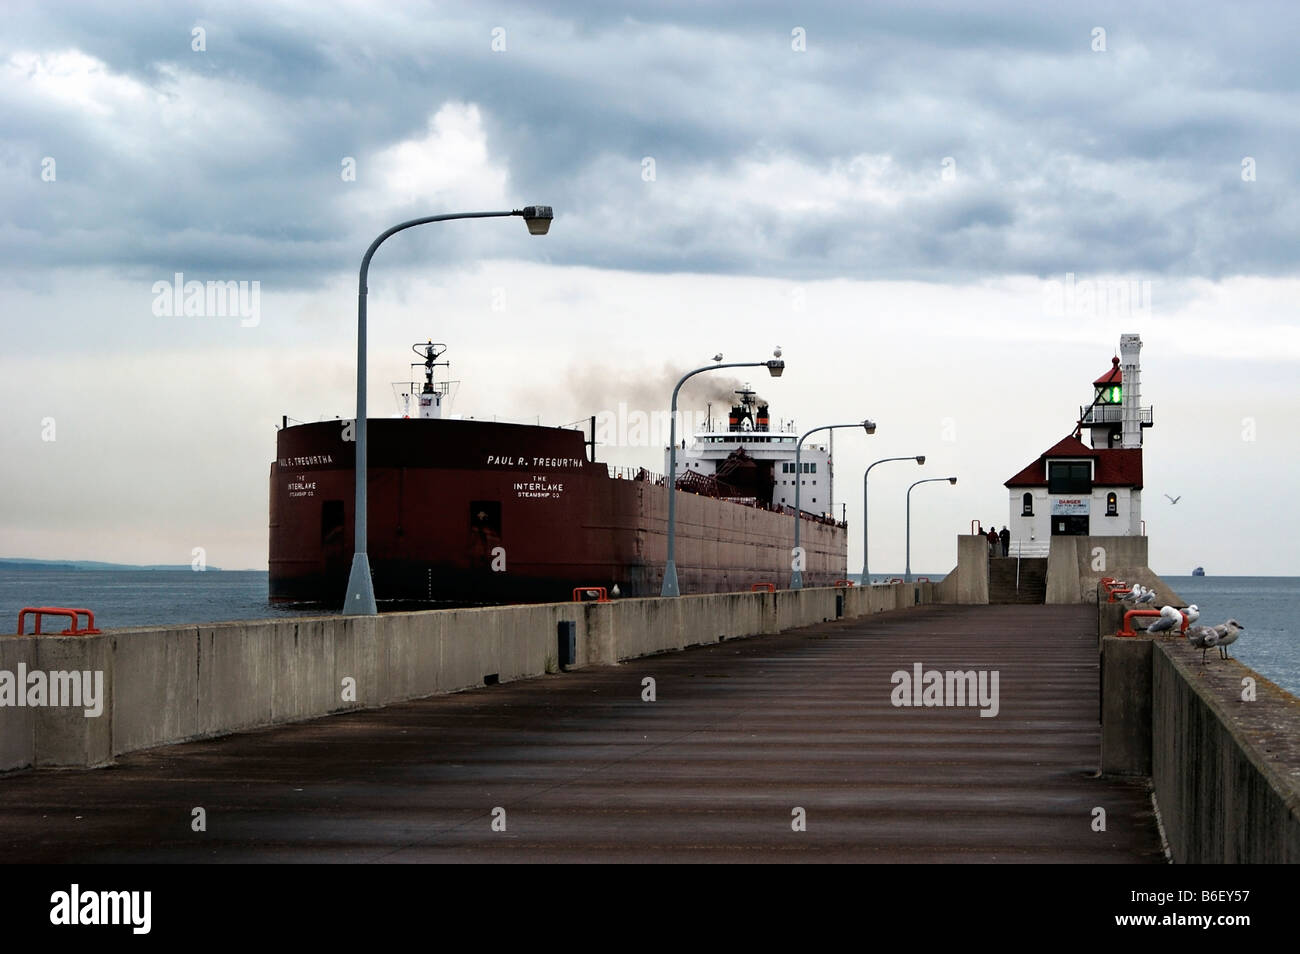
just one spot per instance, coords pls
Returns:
(920, 459)
(796, 575)
(775, 366)
(907, 570)
(360, 600)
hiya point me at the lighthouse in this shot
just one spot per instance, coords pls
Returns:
(1092, 487)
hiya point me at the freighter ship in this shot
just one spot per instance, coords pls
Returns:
(471, 512)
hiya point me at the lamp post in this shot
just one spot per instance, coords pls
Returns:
(360, 599)
(775, 366)
(907, 571)
(920, 459)
(796, 575)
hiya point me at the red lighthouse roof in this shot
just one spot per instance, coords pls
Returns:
(1115, 467)
(1113, 376)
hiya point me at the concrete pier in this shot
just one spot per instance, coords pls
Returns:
(399, 737)
(740, 737)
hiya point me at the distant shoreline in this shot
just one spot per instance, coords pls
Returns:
(27, 563)
(20, 563)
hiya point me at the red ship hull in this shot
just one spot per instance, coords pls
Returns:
(480, 512)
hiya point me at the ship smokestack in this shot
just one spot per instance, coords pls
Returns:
(764, 421)
(735, 417)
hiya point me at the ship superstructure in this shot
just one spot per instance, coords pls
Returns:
(751, 461)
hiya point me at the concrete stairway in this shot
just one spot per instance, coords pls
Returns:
(1002, 580)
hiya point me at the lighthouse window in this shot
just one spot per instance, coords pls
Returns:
(1069, 477)
(1027, 505)
(1112, 505)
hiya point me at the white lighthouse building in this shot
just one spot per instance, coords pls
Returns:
(1089, 486)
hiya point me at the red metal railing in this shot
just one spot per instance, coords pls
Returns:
(70, 612)
(844, 583)
(581, 594)
(1127, 628)
(762, 587)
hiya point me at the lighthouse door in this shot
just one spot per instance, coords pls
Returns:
(1069, 525)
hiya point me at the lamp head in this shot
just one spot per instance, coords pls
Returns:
(920, 458)
(775, 367)
(869, 426)
(537, 218)
(952, 480)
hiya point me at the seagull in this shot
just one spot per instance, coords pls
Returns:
(1147, 598)
(1203, 638)
(615, 592)
(777, 352)
(1132, 595)
(1169, 619)
(718, 356)
(1193, 613)
(1174, 500)
(1228, 633)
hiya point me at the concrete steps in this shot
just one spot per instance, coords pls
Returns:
(1002, 580)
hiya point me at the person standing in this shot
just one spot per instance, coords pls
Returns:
(993, 540)
(1005, 537)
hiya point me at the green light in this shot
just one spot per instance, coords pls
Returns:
(1115, 394)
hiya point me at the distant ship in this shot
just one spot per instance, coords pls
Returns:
(1199, 571)
(466, 511)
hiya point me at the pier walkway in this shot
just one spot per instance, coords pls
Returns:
(740, 735)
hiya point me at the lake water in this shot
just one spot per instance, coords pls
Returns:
(1268, 606)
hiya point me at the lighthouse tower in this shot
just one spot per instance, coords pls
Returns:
(1095, 488)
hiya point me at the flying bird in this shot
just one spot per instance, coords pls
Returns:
(1174, 500)
(1169, 619)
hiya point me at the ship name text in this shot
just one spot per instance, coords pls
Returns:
(498, 460)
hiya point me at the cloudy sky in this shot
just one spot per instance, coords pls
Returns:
(896, 193)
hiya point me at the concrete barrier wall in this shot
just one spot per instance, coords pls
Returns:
(1225, 771)
(1070, 561)
(165, 685)
(968, 583)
